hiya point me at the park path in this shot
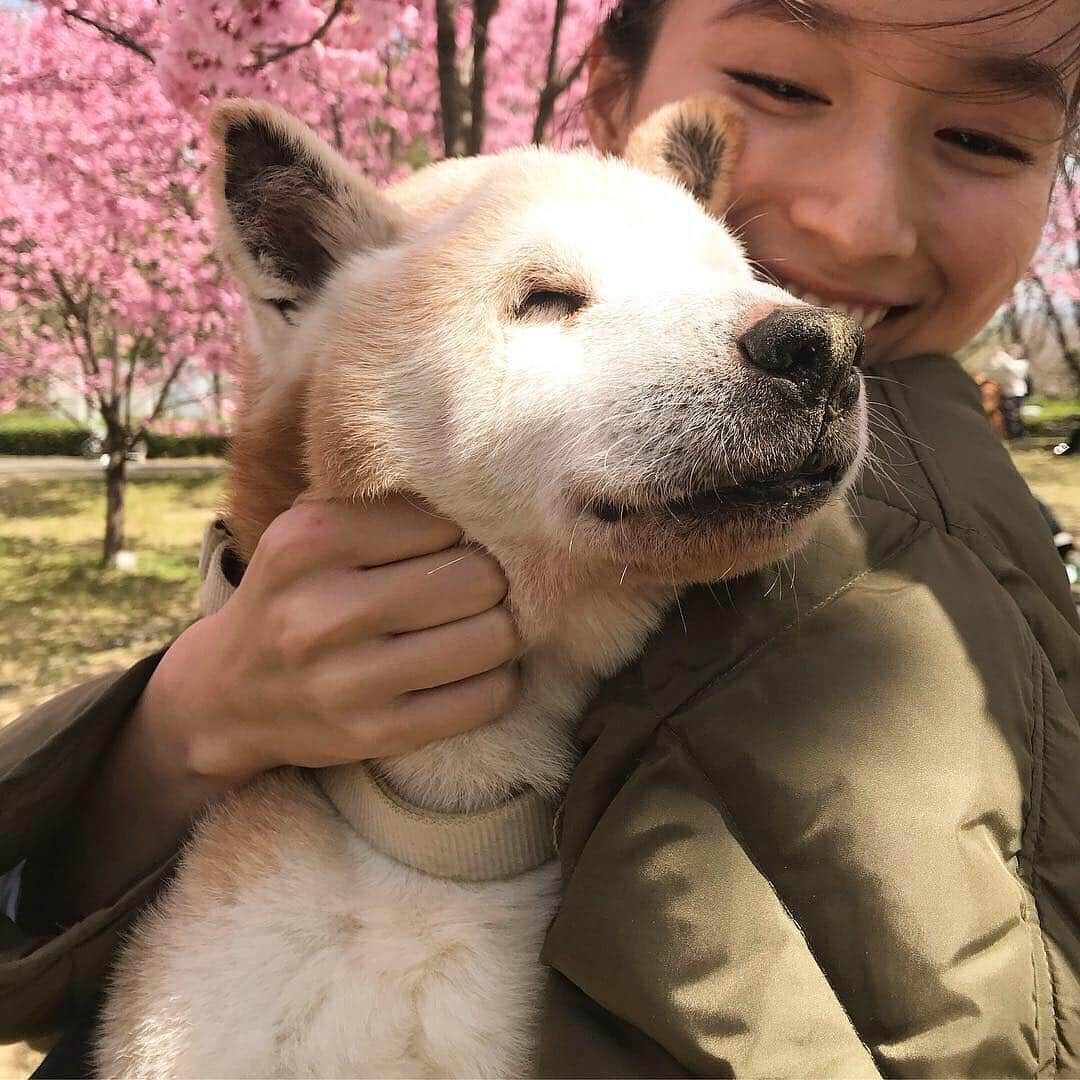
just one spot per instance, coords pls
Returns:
(12, 465)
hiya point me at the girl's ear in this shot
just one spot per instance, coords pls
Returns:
(289, 209)
(695, 143)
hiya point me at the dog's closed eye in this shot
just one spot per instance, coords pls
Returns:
(549, 304)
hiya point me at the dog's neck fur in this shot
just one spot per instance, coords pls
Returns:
(533, 744)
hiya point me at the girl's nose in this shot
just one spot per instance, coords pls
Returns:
(860, 206)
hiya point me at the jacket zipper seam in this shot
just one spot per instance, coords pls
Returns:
(1036, 815)
(747, 658)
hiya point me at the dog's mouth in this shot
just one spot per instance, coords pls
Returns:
(795, 494)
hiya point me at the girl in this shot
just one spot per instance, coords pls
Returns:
(828, 824)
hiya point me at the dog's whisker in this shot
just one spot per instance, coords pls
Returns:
(452, 562)
(678, 604)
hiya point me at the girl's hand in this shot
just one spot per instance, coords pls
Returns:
(358, 631)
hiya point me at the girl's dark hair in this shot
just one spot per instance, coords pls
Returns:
(631, 27)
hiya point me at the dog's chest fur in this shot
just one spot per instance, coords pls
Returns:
(289, 947)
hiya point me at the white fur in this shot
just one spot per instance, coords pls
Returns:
(287, 946)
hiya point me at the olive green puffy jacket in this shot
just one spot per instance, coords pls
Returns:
(835, 830)
(823, 830)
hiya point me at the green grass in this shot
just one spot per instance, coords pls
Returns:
(66, 617)
(1055, 409)
(36, 419)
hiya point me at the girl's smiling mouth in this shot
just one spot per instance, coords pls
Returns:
(862, 308)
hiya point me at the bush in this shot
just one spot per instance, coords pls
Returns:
(51, 438)
(197, 444)
(36, 433)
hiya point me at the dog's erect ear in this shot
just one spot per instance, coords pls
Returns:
(694, 142)
(289, 208)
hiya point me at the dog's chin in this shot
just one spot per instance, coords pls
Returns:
(657, 553)
(756, 503)
(710, 533)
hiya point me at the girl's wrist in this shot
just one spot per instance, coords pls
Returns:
(182, 722)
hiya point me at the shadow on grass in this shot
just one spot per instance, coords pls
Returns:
(39, 497)
(61, 607)
(66, 617)
(59, 567)
(188, 484)
(33, 498)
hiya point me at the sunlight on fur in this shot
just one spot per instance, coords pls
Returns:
(571, 358)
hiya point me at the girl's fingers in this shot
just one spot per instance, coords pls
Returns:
(378, 673)
(316, 536)
(449, 653)
(345, 607)
(426, 715)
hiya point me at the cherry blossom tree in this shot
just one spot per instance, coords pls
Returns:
(1046, 302)
(391, 83)
(108, 284)
(109, 291)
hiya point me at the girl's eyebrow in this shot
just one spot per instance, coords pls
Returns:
(1006, 73)
(814, 14)
(1027, 76)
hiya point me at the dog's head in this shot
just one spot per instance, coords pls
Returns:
(569, 357)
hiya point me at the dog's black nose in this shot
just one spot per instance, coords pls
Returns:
(815, 348)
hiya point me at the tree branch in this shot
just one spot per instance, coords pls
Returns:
(554, 86)
(288, 50)
(165, 388)
(113, 35)
(129, 383)
(81, 312)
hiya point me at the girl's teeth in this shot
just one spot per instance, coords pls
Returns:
(867, 318)
(873, 317)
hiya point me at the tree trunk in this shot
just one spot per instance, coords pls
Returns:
(1010, 324)
(449, 83)
(554, 84)
(482, 13)
(115, 489)
(1071, 359)
(545, 106)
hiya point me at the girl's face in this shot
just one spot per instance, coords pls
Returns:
(902, 176)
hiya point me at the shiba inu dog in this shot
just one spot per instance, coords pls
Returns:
(572, 359)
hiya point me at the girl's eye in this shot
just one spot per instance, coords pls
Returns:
(776, 88)
(986, 146)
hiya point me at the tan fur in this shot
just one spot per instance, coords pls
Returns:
(431, 358)
(704, 166)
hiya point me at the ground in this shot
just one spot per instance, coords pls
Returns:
(66, 618)
(1056, 480)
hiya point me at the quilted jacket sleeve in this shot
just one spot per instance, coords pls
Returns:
(47, 757)
(850, 850)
